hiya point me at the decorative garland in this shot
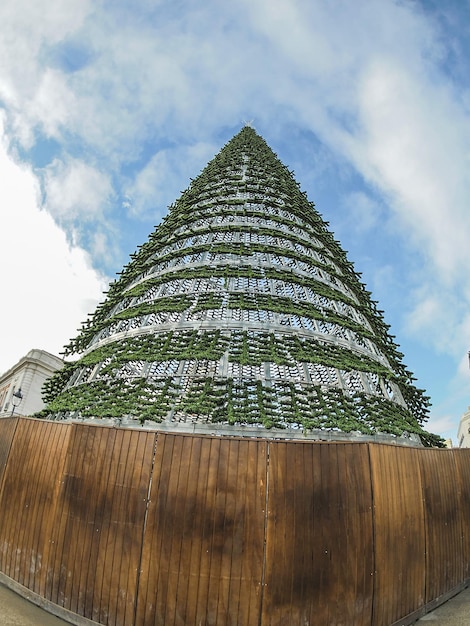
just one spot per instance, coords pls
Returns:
(236, 185)
(239, 402)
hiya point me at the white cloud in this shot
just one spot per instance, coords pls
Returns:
(369, 81)
(116, 82)
(429, 314)
(52, 103)
(75, 189)
(414, 144)
(48, 287)
(33, 93)
(445, 425)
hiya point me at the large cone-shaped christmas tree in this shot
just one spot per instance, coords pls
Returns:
(241, 309)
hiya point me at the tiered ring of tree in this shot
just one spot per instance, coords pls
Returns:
(241, 309)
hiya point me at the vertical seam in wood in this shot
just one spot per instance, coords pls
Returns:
(144, 526)
(425, 525)
(7, 458)
(458, 471)
(266, 504)
(373, 522)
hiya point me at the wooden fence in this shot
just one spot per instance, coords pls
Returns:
(128, 527)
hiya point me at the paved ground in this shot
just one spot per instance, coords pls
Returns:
(455, 612)
(16, 611)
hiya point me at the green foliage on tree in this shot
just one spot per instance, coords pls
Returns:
(241, 308)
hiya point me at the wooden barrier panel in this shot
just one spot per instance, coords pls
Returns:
(101, 513)
(202, 558)
(399, 533)
(7, 431)
(319, 553)
(462, 489)
(28, 500)
(134, 528)
(444, 564)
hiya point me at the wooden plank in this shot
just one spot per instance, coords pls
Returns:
(234, 589)
(48, 522)
(128, 519)
(33, 511)
(11, 505)
(204, 536)
(444, 566)
(399, 581)
(319, 542)
(101, 520)
(74, 522)
(25, 511)
(42, 502)
(77, 527)
(152, 547)
(249, 533)
(15, 499)
(356, 516)
(7, 432)
(94, 498)
(51, 486)
(28, 500)
(62, 540)
(462, 462)
(113, 567)
(182, 588)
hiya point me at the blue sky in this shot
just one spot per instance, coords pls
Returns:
(108, 108)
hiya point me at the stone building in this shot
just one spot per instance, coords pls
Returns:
(27, 377)
(463, 433)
